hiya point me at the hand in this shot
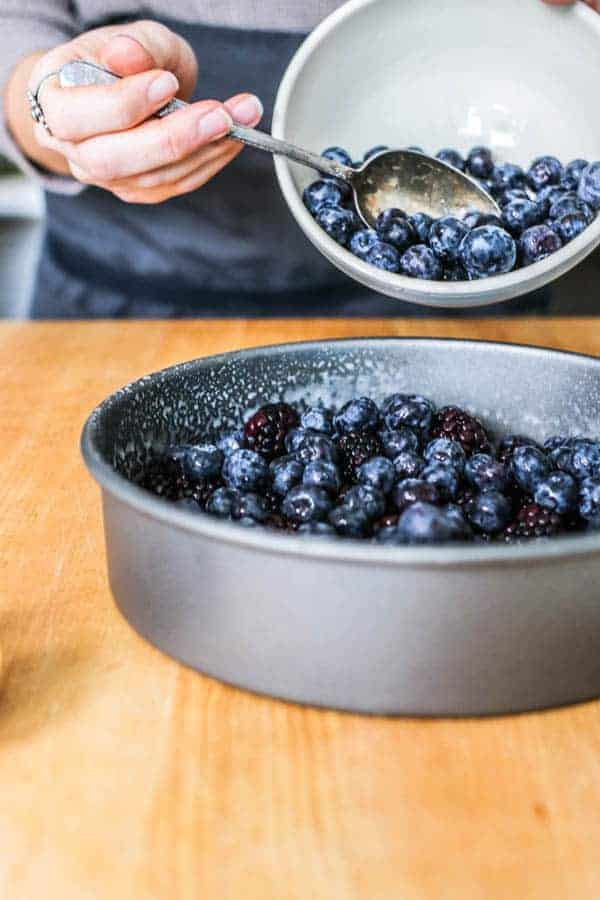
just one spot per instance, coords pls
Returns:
(105, 135)
(595, 4)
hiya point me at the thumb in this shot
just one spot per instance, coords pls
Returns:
(140, 46)
(124, 55)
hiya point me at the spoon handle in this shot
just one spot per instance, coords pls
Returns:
(78, 73)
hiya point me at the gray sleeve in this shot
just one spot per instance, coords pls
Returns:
(27, 26)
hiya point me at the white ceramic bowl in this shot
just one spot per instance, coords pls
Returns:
(518, 75)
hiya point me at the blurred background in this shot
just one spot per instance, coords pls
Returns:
(21, 227)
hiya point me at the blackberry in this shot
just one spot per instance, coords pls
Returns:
(265, 431)
(533, 521)
(457, 425)
(355, 448)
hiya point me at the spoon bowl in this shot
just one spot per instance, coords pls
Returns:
(415, 183)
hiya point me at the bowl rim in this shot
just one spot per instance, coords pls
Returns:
(480, 292)
(450, 556)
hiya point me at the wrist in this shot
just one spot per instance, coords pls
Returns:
(20, 123)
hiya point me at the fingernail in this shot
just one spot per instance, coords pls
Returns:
(248, 110)
(162, 87)
(214, 124)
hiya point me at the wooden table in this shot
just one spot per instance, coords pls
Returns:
(124, 775)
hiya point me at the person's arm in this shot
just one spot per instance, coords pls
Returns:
(105, 135)
(20, 123)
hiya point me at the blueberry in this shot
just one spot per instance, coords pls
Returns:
(294, 438)
(557, 440)
(322, 474)
(589, 499)
(414, 490)
(529, 466)
(316, 529)
(408, 464)
(543, 171)
(286, 472)
(446, 452)
(488, 251)
(486, 473)
(489, 512)
(452, 158)
(396, 441)
(557, 492)
(232, 440)
(507, 175)
(323, 191)
(423, 523)
(338, 154)
(340, 224)
(572, 174)
(589, 186)
(537, 243)
(317, 418)
(445, 478)
(570, 226)
(352, 523)
(246, 505)
(408, 409)
(549, 195)
(513, 194)
(445, 237)
(384, 256)
(421, 262)
(362, 241)
(421, 224)
(480, 163)
(306, 504)
(245, 470)
(476, 219)
(316, 446)
(509, 444)
(220, 502)
(380, 148)
(584, 460)
(200, 462)
(378, 472)
(394, 228)
(518, 215)
(357, 415)
(365, 498)
(560, 454)
(568, 203)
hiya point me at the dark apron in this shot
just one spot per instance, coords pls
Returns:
(231, 248)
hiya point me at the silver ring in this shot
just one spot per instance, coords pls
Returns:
(33, 98)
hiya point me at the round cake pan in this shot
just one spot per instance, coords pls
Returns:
(444, 73)
(456, 630)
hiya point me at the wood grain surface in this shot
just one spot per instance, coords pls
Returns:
(124, 775)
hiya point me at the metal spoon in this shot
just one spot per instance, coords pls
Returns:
(406, 179)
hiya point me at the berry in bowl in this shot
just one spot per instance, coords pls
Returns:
(443, 76)
(541, 210)
(391, 526)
